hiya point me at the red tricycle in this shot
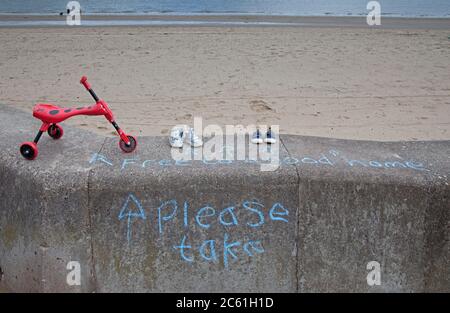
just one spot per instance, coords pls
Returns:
(51, 115)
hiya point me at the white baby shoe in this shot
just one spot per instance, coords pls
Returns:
(176, 137)
(193, 139)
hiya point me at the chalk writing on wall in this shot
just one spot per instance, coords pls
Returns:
(332, 158)
(182, 218)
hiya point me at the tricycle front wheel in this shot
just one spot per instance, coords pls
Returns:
(130, 147)
(29, 150)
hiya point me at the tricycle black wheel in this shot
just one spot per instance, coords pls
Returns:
(55, 131)
(130, 147)
(29, 150)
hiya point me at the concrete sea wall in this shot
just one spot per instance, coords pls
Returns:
(143, 222)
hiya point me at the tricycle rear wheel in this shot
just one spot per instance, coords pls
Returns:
(55, 131)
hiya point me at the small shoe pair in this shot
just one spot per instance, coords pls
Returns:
(270, 137)
(179, 134)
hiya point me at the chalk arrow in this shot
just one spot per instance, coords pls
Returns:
(127, 211)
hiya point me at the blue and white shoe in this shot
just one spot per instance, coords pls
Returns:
(176, 137)
(270, 136)
(256, 137)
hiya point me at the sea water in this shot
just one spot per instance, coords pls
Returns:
(396, 8)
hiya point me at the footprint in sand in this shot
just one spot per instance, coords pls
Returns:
(184, 117)
(260, 106)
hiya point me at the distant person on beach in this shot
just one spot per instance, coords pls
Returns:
(67, 12)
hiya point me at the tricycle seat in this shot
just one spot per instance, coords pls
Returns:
(50, 113)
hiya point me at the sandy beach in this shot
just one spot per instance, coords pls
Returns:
(342, 82)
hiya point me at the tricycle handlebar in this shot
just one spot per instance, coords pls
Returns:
(86, 85)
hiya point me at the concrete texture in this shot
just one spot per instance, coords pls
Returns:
(350, 216)
(312, 225)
